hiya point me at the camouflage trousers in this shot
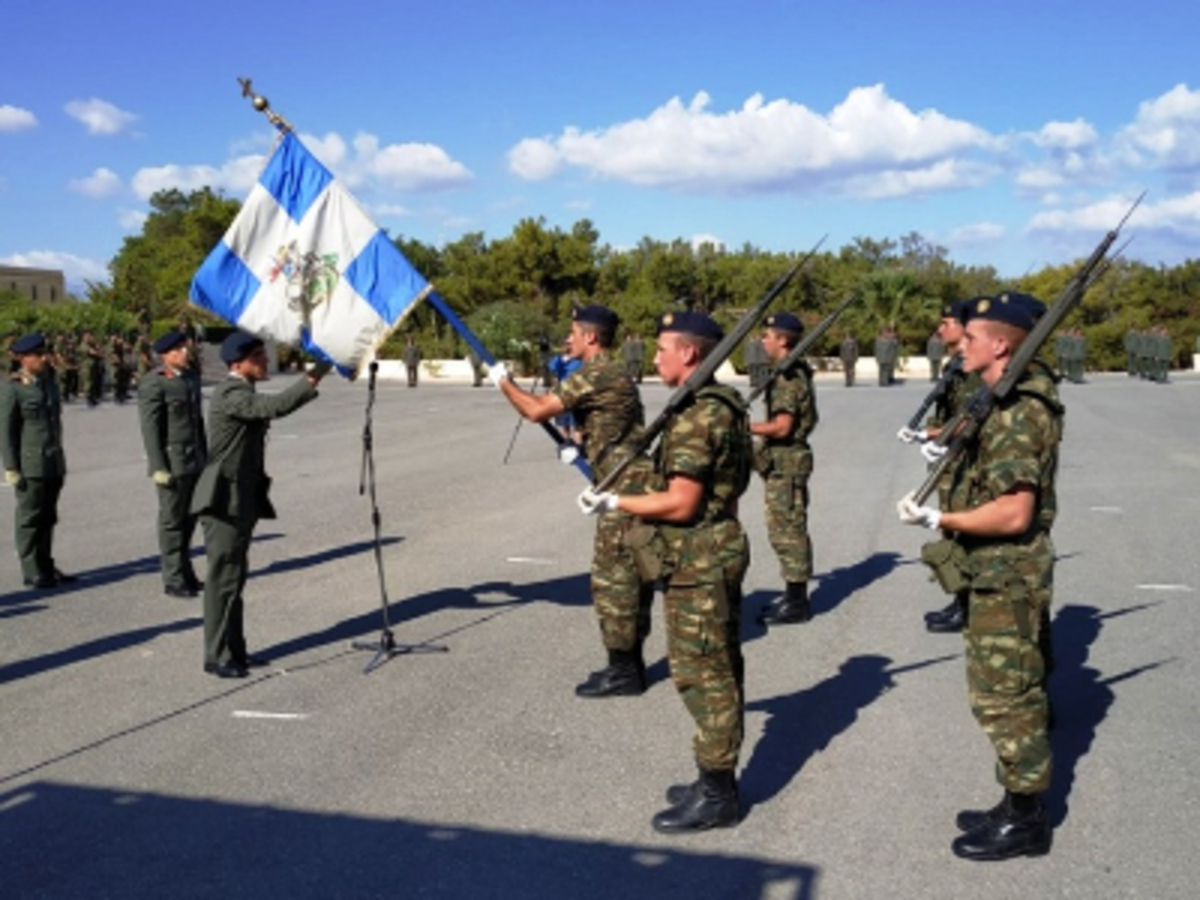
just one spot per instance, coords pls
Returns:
(1006, 681)
(704, 648)
(622, 599)
(787, 524)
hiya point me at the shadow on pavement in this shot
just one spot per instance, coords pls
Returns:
(81, 842)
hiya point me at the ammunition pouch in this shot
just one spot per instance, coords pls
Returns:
(763, 462)
(646, 545)
(947, 561)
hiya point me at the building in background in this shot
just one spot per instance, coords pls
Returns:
(39, 285)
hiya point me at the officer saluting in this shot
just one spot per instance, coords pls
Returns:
(231, 494)
(34, 463)
(176, 451)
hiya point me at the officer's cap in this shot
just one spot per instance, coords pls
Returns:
(238, 346)
(169, 341)
(966, 308)
(1011, 308)
(595, 314)
(29, 343)
(784, 321)
(696, 324)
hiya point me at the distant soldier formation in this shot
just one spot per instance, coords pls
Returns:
(1148, 353)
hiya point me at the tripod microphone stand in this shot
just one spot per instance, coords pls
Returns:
(385, 647)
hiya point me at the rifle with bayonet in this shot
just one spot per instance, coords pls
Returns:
(802, 348)
(964, 426)
(940, 389)
(706, 370)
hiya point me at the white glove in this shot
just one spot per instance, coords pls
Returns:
(568, 453)
(591, 503)
(907, 435)
(163, 478)
(14, 479)
(912, 514)
(933, 451)
(497, 374)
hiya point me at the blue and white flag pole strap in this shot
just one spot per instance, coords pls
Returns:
(482, 352)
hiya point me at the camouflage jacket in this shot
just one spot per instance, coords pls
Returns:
(608, 412)
(31, 426)
(1017, 445)
(708, 441)
(791, 393)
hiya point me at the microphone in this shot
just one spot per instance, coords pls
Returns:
(373, 368)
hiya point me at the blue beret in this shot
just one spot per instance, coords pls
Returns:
(595, 314)
(966, 308)
(30, 343)
(169, 341)
(696, 324)
(784, 322)
(238, 345)
(1010, 308)
(955, 309)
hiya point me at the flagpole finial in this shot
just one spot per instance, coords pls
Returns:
(261, 104)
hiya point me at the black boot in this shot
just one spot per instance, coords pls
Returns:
(1018, 828)
(954, 621)
(624, 676)
(712, 803)
(792, 609)
(939, 614)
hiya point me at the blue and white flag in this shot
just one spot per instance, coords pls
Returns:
(303, 264)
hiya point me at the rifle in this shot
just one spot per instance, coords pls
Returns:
(964, 426)
(939, 391)
(708, 367)
(801, 348)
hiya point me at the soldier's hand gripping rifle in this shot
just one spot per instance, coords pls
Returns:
(964, 426)
(912, 430)
(801, 348)
(704, 372)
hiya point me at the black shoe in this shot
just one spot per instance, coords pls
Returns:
(1019, 829)
(195, 584)
(252, 662)
(226, 670)
(938, 614)
(183, 593)
(713, 804)
(63, 578)
(954, 621)
(624, 676)
(42, 582)
(791, 609)
(971, 819)
(681, 793)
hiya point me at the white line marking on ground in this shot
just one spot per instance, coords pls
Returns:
(1183, 588)
(255, 714)
(1106, 509)
(532, 560)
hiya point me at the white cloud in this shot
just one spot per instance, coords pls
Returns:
(131, 219)
(976, 233)
(699, 240)
(100, 116)
(579, 205)
(1039, 178)
(75, 269)
(1166, 132)
(1066, 135)
(236, 177)
(389, 211)
(1175, 215)
(13, 118)
(869, 145)
(101, 183)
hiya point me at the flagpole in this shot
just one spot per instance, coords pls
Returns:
(263, 105)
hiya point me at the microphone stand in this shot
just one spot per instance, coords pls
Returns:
(385, 647)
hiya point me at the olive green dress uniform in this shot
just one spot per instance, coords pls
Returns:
(786, 465)
(935, 352)
(169, 406)
(607, 409)
(231, 495)
(848, 353)
(31, 441)
(1011, 579)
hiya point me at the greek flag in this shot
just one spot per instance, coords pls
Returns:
(303, 264)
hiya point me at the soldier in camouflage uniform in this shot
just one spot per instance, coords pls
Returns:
(93, 369)
(784, 459)
(702, 467)
(1001, 508)
(34, 463)
(176, 452)
(607, 411)
(959, 387)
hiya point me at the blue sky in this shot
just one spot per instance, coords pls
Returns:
(1013, 133)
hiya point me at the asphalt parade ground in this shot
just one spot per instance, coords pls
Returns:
(475, 772)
